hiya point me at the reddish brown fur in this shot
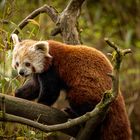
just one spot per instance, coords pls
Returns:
(87, 81)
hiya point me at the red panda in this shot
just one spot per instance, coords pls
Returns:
(80, 70)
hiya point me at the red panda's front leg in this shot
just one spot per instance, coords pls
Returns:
(30, 90)
(49, 87)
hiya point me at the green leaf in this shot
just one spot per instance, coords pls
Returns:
(33, 22)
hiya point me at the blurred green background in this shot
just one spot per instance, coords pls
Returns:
(118, 20)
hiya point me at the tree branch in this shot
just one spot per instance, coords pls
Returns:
(117, 58)
(53, 14)
(35, 111)
(67, 22)
(50, 128)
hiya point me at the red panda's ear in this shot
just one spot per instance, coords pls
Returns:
(42, 46)
(15, 39)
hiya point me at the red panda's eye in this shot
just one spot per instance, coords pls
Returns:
(27, 64)
(17, 64)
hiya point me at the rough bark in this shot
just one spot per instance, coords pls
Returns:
(34, 111)
(67, 23)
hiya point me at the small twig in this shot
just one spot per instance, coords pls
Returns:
(111, 44)
(118, 50)
(117, 58)
(109, 54)
(56, 31)
(126, 51)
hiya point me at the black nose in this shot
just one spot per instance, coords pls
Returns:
(21, 72)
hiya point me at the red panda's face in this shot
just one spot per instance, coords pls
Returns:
(29, 56)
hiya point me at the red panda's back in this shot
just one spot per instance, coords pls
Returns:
(84, 69)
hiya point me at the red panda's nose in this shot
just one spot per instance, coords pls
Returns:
(21, 72)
